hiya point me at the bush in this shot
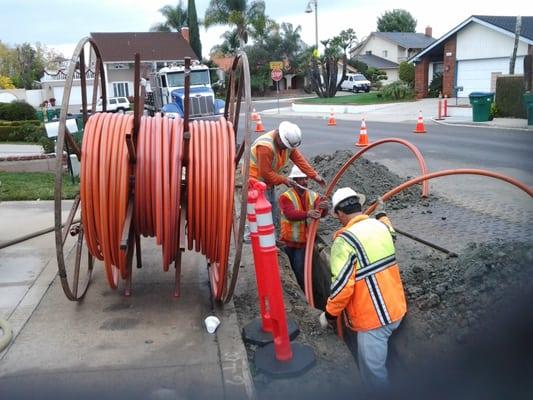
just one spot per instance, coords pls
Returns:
(17, 111)
(397, 91)
(21, 133)
(435, 87)
(509, 99)
(407, 73)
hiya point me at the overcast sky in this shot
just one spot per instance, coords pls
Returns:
(60, 24)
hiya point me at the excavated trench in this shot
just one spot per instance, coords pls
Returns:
(450, 300)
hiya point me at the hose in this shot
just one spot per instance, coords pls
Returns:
(7, 334)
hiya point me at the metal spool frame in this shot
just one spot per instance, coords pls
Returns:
(76, 275)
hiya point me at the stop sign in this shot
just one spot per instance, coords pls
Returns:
(276, 74)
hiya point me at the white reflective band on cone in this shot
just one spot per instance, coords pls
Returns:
(253, 226)
(264, 219)
(250, 209)
(267, 240)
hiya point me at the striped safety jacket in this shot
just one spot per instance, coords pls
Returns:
(366, 281)
(296, 231)
(279, 159)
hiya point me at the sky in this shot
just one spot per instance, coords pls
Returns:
(60, 24)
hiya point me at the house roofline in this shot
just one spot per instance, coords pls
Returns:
(461, 26)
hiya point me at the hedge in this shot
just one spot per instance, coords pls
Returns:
(509, 100)
(17, 111)
(35, 122)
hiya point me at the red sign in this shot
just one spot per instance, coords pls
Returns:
(276, 75)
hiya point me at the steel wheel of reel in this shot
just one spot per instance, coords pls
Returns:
(239, 84)
(74, 262)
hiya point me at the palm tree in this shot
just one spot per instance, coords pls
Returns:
(246, 18)
(176, 18)
(229, 44)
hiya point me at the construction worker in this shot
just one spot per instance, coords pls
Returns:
(271, 152)
(366, 285)
(297, 205)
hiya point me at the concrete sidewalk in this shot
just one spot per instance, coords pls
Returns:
(405, 112)
(147, 346)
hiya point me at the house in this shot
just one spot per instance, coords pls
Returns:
(386, 50)
(117, 50)
(472, 55)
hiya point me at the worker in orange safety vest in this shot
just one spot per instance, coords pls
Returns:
(366, 287)
(297, 206)
(271, 152)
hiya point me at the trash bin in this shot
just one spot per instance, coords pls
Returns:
(528, 102)
(481, 103)
(40, 116)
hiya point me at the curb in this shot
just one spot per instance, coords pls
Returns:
(464, 124)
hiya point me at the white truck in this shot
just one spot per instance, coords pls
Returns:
(356, 83)
(166, 92)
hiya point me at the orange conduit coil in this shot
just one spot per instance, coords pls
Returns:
(313, 227)
(104, 189)
(210, 194)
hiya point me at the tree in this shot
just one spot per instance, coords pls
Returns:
(247, 18)
(5, 82)
(175, 18)
(407, 73)
(194, 34)
(30, 66)
(229, 45)
(397, 20)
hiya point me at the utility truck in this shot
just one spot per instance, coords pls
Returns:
(165, 92)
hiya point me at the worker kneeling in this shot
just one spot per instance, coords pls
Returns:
(297, 205)
(366, 284)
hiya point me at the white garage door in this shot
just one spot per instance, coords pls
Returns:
(476, 75)
(75, 95)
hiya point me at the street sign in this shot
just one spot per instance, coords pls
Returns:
(276, 64)
(276, 75)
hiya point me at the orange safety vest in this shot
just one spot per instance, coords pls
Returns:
(366, 281)
(279, 159)
(296, 231)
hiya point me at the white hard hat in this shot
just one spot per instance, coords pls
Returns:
(290, 134)
(297, 173)
(345, 193)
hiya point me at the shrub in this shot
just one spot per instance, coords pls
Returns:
(407, 73)
(17, 111)
(509, 99)
(435, 87)
(22, 133)
(397, 91)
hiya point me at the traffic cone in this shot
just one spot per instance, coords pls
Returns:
(255, 116)
(331, 119)
(420, 128)
(259, 128)
(363, 137)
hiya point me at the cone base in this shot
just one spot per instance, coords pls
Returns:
(303, 359)
(361, 145)
(253, 332)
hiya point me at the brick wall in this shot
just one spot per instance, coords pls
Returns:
(421, 78)
(450, 56)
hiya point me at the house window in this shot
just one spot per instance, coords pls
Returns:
(368, 52)
(120, 89)
(385, 53)
(438, 68)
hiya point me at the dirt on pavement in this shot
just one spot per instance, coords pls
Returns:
(449, 298)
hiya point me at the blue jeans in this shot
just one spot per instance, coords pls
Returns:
(297, 260)
(370, 349)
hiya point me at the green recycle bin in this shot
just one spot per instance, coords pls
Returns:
(40, 116)
(528, 102)
(481, 103)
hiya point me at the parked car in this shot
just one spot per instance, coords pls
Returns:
(356, 83)
(114, 104)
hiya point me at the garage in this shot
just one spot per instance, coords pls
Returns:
(75, 94)
(478, 75)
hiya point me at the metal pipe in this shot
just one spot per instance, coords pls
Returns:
(423, 241)
(31, 236)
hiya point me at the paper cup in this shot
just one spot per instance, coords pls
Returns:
(211, 323)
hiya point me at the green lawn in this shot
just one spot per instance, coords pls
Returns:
(33, 186)
(356, 99)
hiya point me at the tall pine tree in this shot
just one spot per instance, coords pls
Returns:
(194, 33)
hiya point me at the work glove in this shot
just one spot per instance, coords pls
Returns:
(291, 183)
(326, 320)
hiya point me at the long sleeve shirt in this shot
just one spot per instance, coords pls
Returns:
(271, 177)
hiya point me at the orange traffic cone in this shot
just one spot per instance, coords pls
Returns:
(259, 128)
(255, 116)
(331, 119)
(420, 128)
(363, 137)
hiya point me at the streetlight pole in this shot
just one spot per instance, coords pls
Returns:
(310, 10)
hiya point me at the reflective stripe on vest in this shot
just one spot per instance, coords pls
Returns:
(295, 231)
(375, 253)
(278, 163)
